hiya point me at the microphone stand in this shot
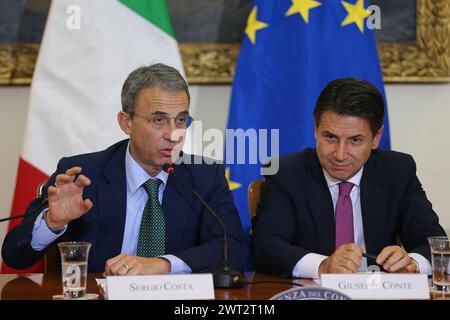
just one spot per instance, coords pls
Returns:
(224, 276)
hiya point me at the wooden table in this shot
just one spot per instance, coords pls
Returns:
(44, 286)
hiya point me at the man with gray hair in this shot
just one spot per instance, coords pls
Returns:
(138, 219)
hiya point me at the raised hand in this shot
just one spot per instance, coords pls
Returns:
(65, 199)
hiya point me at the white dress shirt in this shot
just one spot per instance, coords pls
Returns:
(308, 266)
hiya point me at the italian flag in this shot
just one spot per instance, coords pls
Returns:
(88, 49)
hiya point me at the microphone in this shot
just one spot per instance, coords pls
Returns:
(224, 276)
(13, 217)
(40, 207)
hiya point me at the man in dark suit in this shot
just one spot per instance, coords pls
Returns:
(327, 206)
(138, 218)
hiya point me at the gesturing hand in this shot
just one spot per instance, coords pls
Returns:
(65, 199)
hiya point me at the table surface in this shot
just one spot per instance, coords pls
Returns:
(45, 286)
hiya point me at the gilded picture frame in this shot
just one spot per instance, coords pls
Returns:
(425, 60)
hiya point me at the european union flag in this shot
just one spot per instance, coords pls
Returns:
(291, 50)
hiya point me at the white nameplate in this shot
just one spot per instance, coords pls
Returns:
(160, 287)
(375, 285)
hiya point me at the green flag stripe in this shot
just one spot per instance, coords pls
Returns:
(155, 11)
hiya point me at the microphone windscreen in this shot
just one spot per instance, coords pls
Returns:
(166, 167)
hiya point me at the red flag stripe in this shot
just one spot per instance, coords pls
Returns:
(27, 181)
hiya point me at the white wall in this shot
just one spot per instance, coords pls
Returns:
(419, 117)
(13, 112)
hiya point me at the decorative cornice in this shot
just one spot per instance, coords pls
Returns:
(425, 60)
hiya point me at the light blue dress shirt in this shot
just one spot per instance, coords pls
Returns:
(137, 197)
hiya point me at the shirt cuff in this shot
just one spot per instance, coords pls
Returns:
(422, 262)
(308, 266)
(176, 264)
(42, 236)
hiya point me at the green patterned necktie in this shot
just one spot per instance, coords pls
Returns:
(152, 232)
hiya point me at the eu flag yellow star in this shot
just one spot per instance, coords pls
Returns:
(231, 184)
(254, 25)
(302, 7)
(356, 14)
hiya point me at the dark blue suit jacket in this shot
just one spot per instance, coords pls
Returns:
(192, 234)
(296, 216)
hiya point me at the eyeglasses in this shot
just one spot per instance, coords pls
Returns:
(159, 121)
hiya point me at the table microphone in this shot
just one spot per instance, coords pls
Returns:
(224, 276)
(40, 207)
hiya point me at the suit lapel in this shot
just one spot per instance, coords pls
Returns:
(112, 198)
(321, 205)
(374, 201)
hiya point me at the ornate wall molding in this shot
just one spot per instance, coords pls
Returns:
(428, 59)
(425, 60)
